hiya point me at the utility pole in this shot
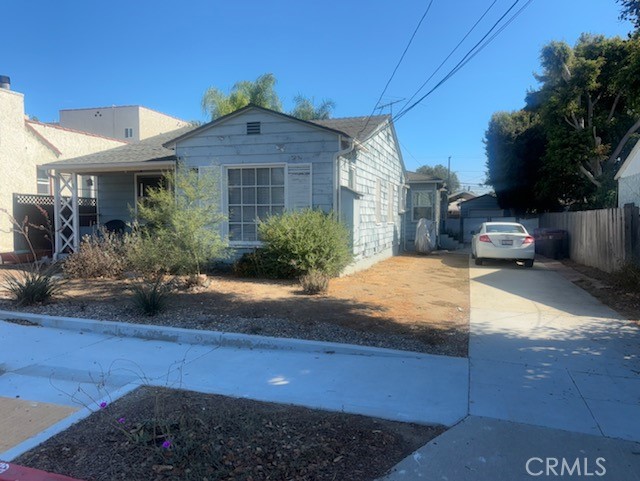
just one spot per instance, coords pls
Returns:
(449, 173)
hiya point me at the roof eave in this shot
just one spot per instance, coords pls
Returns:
(110, 166)
(219, 120)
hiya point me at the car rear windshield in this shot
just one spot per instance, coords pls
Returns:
(505, 229)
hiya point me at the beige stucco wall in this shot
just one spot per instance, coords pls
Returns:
(72, 143)
(112, 121)
(22, 150)
(155, 123)
(12, 158)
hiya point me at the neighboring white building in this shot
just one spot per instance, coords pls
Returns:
(628, 178)
(26, 144)
(129, 122)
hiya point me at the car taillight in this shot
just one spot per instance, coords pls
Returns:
(527, 240)
(484, 238)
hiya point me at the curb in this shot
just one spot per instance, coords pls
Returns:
(208, 338)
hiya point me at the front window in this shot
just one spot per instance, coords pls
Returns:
(44, 184)
(422, 204)
(254, 193)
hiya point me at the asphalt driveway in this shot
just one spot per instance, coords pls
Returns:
(544, 352)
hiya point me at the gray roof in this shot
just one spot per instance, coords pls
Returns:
(416, 177)
(359, 128)
(147, 150)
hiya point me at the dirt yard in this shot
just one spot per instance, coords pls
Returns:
(409, 302)
(168, 435)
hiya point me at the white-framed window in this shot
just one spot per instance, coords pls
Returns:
(422, 205)
(253, 193)
(378, 200)
(44, 183)
(128, 133)
(352, 177)
(391, 210)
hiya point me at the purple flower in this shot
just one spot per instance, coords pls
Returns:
(122, 420)
(103, 405)
(166, 444)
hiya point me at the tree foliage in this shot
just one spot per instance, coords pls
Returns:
(306, 109)
(180, 220)
(261, 92)
(630, 11)
(441, 172)
(586, 112)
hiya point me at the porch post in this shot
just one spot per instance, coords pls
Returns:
(56, 217)
(75, 213)
(65, 212)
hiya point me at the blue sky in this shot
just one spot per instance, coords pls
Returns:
(163, 55)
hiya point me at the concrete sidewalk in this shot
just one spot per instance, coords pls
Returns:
(543, 351)
(554, 376)
(78, 369)
(484, 449)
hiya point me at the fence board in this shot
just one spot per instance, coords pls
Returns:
(604, 238)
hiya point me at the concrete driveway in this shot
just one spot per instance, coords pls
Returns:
(544, 352)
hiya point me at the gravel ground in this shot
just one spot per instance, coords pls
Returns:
(263, 326)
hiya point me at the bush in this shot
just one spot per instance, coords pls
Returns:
(300, 241)
(32, 287)
(152, 297)
(180, 232)
(103, 254)
(314, 282)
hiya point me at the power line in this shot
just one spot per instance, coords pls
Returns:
(450, 54)
(477, 48)
(397, 66)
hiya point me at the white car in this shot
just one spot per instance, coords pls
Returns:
(503, 240)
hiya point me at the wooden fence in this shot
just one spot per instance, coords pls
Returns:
(605, 238)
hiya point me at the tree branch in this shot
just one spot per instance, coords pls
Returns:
(613, 107)
(566, 119)
(632, 130)
(590, 176)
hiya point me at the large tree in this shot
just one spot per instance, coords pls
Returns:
(261, 92)
(441, 172)
(515, 144)
(588, 108)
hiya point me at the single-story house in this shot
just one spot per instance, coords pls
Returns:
(628, 177)
(424, 201)
(454, 200)
(267, 162)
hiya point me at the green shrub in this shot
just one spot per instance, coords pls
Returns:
(103, 254)
(151, 297)
(297, 242)
(180, 233)
(314, 282)
(32, 286)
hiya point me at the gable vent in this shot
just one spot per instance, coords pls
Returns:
(253, 128)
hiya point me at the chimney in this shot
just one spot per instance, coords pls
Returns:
(5, 82)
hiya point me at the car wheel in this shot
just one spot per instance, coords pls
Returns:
(478, 261)
(528, 263)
